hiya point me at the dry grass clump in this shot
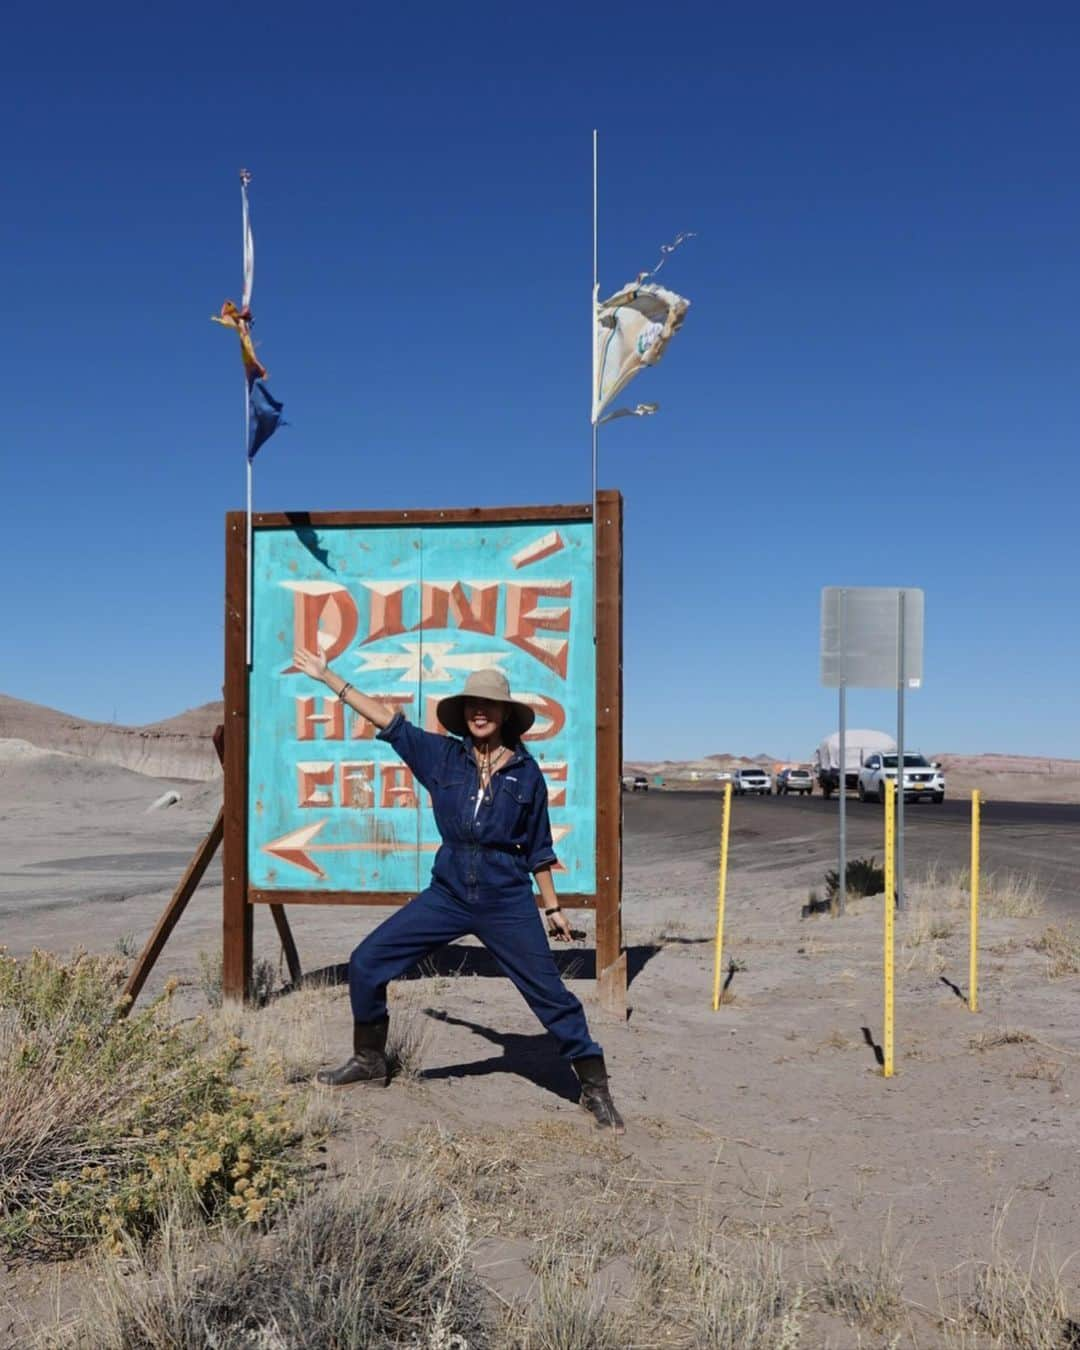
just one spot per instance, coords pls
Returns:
(505, 1179)
(710, 1294)
(1041, 1069)
(291, 1037)
(568, 1309)
(105, 1120)
(1002, 895)
(263, 979)
(927, 925)
(1013, 1305)
(867, 1293)
(1061, 947)
(990, 1040)
(356, 1268)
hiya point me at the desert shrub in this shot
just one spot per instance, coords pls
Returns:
(356, 1268)
(864, 877)
(105, 1119)
(1061, 947)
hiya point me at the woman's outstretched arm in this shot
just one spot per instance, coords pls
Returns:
(314, 664)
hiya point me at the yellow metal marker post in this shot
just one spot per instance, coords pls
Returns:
(973, 969)
(890, 916)
(721, 896)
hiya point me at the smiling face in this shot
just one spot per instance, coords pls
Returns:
(484, 718)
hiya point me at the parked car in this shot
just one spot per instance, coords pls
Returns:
(748, 781)
(641, 783)
(922, 780)
(794, 780)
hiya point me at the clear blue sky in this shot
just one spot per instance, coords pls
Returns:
(877, 383)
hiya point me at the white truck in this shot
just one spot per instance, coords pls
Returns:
(860, 745)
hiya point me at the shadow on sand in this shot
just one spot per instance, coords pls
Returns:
(452, 961)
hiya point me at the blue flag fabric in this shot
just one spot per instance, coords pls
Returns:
(265, 416)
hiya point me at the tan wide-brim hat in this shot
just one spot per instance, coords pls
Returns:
(492, 685)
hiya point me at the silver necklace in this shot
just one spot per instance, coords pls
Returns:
(487, 763)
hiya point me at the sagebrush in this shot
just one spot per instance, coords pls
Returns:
(105, 1119)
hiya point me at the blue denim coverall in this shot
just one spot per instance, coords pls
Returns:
(480, 884)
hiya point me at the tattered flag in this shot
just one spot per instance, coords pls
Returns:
(632, 331)
(263, 408)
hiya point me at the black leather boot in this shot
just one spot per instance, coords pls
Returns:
(367, 1064)
(595, 1093)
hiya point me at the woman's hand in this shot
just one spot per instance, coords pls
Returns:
(558, 927)
(311, 663)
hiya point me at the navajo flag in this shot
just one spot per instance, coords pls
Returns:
(264, 411)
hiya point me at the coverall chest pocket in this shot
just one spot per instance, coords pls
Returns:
(514, 802)
(451, 792)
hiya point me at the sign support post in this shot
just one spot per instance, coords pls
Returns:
(872, 638)
(888, 1029)
(901, 626)
(842, 869)
(973, 963)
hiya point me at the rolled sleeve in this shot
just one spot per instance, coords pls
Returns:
(539, 850)
(422, 751)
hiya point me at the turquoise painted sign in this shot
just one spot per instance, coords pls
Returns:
(405, 613)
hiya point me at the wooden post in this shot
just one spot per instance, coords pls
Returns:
(236, 937)
(176, 906)
(610, 957)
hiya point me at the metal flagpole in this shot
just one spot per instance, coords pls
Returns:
(901, 680)
(248, 269)
(592, 344)
(247, 547)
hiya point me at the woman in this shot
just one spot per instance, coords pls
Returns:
(490, 804)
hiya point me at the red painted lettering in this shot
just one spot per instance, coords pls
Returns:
(431, 719)
(524, 618)
(555, 772)
(356, 783)
(386, 602)
(363, 730)
(397, 786)
(475, 613)
(550, 715)
(312, 778)
(332, 719)
(324, 618)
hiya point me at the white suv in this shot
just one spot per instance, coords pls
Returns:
(751, 780)
(921, 778)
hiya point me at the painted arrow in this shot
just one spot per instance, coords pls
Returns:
(296, 846)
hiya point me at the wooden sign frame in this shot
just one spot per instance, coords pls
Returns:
(240, 899)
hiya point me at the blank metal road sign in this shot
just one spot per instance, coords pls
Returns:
(860, 628)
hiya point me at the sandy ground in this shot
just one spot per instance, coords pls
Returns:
(775, 1105)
